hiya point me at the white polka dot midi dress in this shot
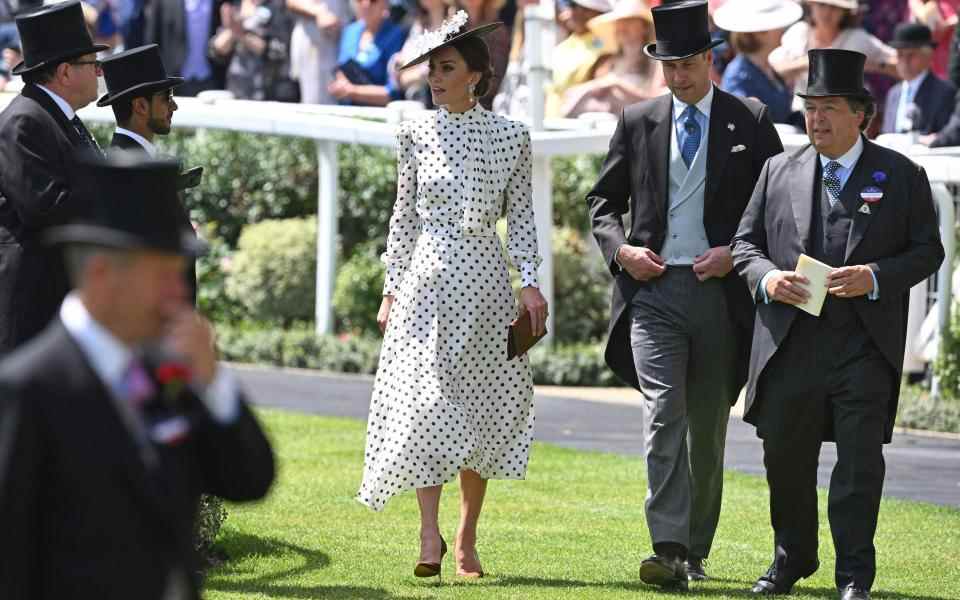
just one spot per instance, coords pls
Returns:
(445, 398)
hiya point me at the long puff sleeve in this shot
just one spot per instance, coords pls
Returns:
(404, 222)
(521, 227)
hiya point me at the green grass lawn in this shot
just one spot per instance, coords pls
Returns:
(574, 529)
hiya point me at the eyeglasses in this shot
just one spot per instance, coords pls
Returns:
(96, 63)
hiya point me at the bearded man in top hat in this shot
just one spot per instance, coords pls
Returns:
(117, 417)
(867, 212)
(683, 165)
(39, 131)
(141, 95)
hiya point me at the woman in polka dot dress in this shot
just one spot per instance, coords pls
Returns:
(446, 401)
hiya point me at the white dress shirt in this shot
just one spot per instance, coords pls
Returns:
(908, 93)
(147, 145)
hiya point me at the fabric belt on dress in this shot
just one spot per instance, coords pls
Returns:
(454, 230)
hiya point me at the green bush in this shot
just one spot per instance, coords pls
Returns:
(299, 347)
(210, 517)
(359, 290)
(575, 364)
(947, 364)
(918, 410)
(212, 270)
(246, 177)
(368, 187)
(573, 178)
(581, 286)
(273, 271)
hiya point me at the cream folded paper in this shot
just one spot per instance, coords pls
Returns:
(816, 273)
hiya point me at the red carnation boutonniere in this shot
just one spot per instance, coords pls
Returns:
(173, 379)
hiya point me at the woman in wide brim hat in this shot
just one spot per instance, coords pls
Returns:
(829, 24)
(756, 28)
(448, 402)
(624, 77)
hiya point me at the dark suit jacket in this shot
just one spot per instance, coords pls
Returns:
(934, 100)
(166, 25)
(950, 134)
(36, 192)
(82, 515)
(131, 145)
(900, 240)
(635, 178)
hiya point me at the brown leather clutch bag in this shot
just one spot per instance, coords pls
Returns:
(520, 336)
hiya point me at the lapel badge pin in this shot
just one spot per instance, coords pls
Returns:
(871, 194)
(731, 126)
(738, 148)
(865, 209)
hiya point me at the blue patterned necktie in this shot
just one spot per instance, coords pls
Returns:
(692, 141)
(832, 180)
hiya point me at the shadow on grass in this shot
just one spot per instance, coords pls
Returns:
(732, 589)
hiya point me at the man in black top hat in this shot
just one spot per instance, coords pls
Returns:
(39, 130)
(683, 165)
(867, 213)
(117, 417)
(921, 102)
(141, 95)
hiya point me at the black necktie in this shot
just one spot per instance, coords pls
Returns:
(85, 138)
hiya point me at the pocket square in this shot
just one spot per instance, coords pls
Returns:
(738, 148)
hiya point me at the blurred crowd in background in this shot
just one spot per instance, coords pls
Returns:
(348, 51)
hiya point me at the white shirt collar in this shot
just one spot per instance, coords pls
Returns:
(703, 105)
(63, 104)
(850, 158)
(108, 356)
(147, 145)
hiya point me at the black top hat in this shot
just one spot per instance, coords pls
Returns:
(446, 35)
(681, 29)
(133, 206)
(912, 35)
(136, 70)
(53, 34)
(835, 72)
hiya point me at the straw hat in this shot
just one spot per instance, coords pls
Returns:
(747, 16)
(853, 5)
(604, 26)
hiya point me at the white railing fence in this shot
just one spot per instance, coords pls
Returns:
(330, 126)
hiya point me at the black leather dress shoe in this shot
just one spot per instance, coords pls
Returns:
(694, 569)
(780, 581)
(852, 592)
(664, 571)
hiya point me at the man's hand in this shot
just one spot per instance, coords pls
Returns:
(850, 282)
(715, 262)
(340, 87)
(191, 337)
(640, 263)
(786, 287)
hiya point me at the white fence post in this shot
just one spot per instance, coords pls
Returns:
(537, 18)
(327, 210)
(945, 275)
(543, 211)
